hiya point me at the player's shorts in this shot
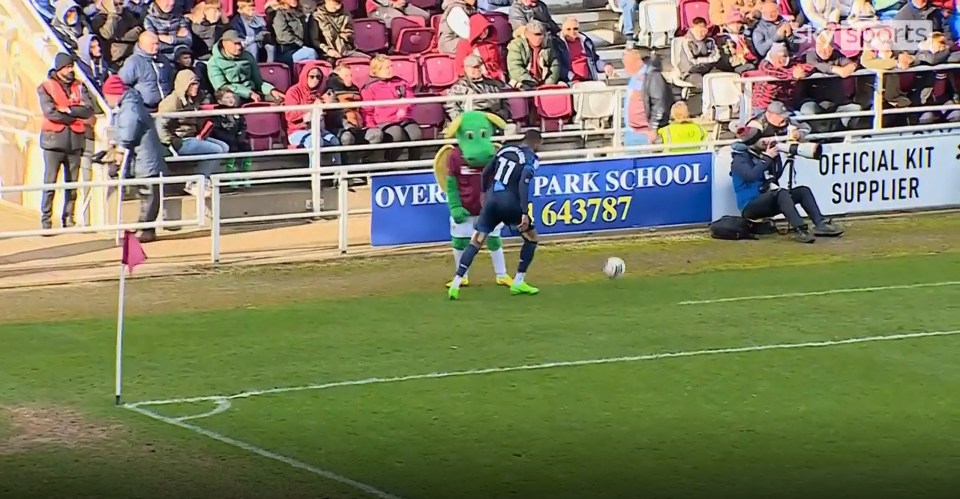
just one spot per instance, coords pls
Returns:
(500, 210)
(466, 228)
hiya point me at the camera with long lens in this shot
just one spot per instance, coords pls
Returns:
(809, 150)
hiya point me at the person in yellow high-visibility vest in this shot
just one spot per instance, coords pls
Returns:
(681, 130)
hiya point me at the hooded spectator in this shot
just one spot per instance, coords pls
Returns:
(821, 13)
(166, 21)
(331, 32)
(721, 10)
(827, 95)
(252, 28)
(118, 28)
(785, 74)
(396, 121)
(67, 113)
(699, 54)
(207, 25)
(482, 43)
(455, 24)
(578, 57)
(287, 21)
(736, 54)
(388, 10)
(475, 83)
(347, 123)
(531, 60)
(183, 135)
(148, 71)
(772, 28)
(92, 62)
(308, 90)
(522, 12)
(183, 58)
(134, 130)
(69, 21)
(233, 66)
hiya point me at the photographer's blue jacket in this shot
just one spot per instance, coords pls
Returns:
(747, 169)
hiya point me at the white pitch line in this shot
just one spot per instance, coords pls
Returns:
(550, 365)
(267, 454)
(223, 405)
(822, 293)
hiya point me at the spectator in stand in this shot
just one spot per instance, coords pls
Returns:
(775, 121)
(69, 22)
(657, 93)
(92, 62)
(531, 60)
(636, 126)
(118, 28)
(166, 21)
(207, 24)
(395, 121)
(827, 95)
(578, 56)
(821, 13)
(862, 12)
(252, 28)
(287, 21)
(681, 130)
(475, 83)
(231, 129)
(234, 67)
(308, 90)
(629, 17)
(786, 75)
(455, 24)
(880, 56)
(183, 59)
(922, 10)
(148, 71)
(772, 28)
(721, 10)
(67, 112)
(736, 54)
(699, 55)
(483, 44)
(138, 7)
(347, 123)
(502, 6)
(934, 51)
(184, 135)
(134, 131)
(522, 12)
(330, 30)
(388, 10)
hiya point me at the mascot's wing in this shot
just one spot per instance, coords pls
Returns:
(440, 162)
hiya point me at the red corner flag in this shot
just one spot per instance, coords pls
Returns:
(133, 253)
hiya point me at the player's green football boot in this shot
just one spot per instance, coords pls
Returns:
(523, 289)
(453, 293)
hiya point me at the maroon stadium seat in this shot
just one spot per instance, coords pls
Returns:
(427, 5)
(554, 110)
(414, 41)
(264, 129)
(359, 68)
(519, 110)
(407, 68)
(398, 24)
(370, 35)
(430, 116)
(438, 72)
(690, 10)
(501, 24)
(276, 74)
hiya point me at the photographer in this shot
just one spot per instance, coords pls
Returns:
(756, 172)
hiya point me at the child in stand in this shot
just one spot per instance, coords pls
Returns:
(232, 130)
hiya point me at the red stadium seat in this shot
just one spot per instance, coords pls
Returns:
(906, 81)
(414, 41)
(438, 72)
(501, 24)
(430, 116)
(427, 5)
(690, 10)
(276, 74)
(359, 68)
(519, 110)
(352, 7)
(554, 110)
(264, 129)
(398, 24)
(260, 6)
(370, 35)
(406, 68)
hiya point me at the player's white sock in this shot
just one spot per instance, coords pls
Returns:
(499, 263)
(518, 280)
(456, 282)
(457, 254)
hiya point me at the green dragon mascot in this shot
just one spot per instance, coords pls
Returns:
(458, 171)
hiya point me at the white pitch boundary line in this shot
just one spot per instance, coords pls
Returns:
(223, 405)
(267, 454)
(822, 293)
(549, 365)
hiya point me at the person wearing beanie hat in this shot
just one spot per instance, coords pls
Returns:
(736, 54)
(135, 134)
(67, 113)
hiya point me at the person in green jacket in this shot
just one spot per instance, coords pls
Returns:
(233, 67)
(524, 72)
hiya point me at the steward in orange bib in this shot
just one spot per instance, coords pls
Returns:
(67, 112)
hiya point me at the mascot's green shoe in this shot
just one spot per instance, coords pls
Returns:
(523, 289)
(453, 293)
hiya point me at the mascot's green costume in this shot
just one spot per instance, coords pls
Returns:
(458, 170)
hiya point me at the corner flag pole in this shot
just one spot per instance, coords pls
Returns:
(123, 282)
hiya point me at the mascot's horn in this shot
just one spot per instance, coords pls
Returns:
(454, 126)
(497, 121)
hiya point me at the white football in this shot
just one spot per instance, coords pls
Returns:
(614, 267)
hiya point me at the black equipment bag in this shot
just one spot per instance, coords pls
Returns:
(731, 228)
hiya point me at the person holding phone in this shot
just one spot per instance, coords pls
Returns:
(309, 89)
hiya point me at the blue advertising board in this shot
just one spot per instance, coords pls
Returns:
(582, 196)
